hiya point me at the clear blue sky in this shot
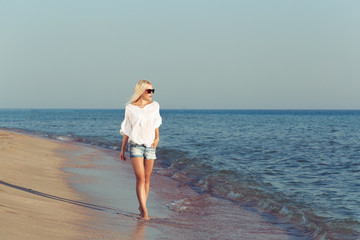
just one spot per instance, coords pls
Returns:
(226, 54)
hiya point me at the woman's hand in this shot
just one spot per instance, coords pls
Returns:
(122, 155)
(155, 143)
(157, 139)
(123, 146)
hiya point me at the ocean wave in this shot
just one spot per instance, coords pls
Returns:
(245, 189)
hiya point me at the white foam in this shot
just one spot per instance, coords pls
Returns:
(64, 138)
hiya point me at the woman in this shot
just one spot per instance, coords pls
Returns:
(141, 128)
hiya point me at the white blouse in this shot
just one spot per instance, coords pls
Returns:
(140, 123)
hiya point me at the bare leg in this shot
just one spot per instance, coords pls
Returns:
(148, 165)
(142, 172)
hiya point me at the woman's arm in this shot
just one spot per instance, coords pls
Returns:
(124, 143)
(157, 139)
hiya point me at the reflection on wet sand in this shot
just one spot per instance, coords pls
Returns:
(139, 230)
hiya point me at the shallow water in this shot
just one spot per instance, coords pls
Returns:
(300, 166)
(176, 210)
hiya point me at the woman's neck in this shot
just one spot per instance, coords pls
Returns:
(142, 102)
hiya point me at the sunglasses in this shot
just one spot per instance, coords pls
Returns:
(150, 90)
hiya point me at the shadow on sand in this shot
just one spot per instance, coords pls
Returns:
(74, 202)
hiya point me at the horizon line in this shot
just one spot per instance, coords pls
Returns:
(210, 109)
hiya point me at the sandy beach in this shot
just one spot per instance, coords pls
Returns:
(34, 195)
(60, 190)
(37, 201)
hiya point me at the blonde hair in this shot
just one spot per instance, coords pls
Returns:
(140, 87)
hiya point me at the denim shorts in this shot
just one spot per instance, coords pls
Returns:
(137, 150)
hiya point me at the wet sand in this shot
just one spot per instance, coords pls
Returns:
(60, 190)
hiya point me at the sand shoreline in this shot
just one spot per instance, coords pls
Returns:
(38, 199)
(42, 194)
(59, 190)
(34, 192)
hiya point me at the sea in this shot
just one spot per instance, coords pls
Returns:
(300, 166)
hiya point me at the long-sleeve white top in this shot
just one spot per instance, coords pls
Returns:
(140, 123)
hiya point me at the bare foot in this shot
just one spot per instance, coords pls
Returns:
(146, 217)
(144, 214)
(141, 212)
